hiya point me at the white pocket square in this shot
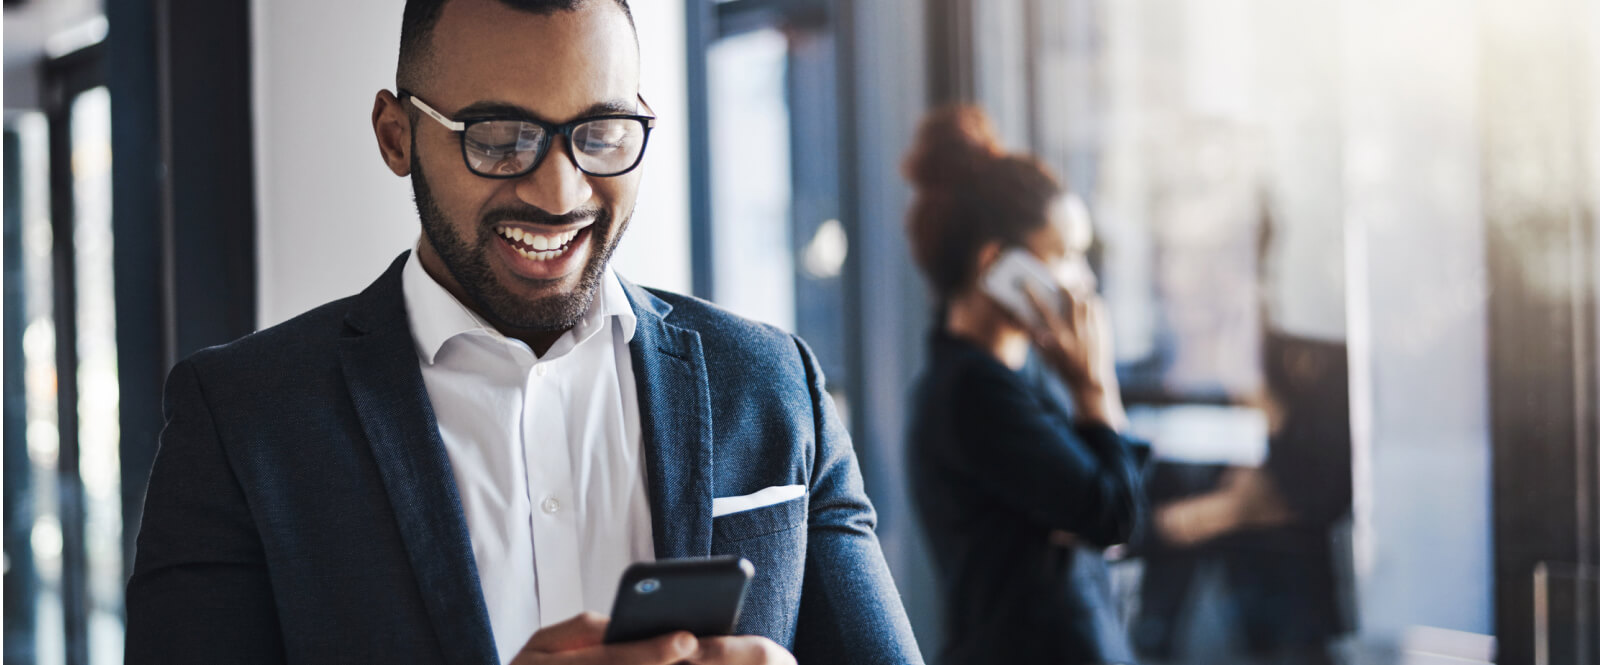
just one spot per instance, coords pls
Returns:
(769, 496)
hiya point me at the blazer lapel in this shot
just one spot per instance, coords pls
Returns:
(675, 420)
(385, 381)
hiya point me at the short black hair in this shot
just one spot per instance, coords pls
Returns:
(416, 27)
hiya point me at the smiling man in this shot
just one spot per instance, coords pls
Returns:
(457, 464)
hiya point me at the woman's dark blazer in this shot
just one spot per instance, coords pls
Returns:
(997, 466)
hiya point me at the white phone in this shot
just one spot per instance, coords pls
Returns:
(1011, 277)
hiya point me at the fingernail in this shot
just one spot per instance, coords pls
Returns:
(684, 642)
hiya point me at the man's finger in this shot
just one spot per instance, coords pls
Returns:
(584, 630)
(740, 650)
(544, 649)
(664, 650)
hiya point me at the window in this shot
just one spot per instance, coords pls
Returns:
(64, 541)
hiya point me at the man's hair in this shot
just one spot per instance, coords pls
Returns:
(416, 30)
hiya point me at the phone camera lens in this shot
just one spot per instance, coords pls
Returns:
(647, 585)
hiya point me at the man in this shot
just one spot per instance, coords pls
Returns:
(455, 465)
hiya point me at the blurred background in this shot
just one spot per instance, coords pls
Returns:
(1351, 245)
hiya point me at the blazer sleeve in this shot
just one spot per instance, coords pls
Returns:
(1084, 480)
(850, 611)
(199, 591)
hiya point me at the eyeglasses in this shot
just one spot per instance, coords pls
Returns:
(508, 147)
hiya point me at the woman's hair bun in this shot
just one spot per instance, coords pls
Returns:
(969, 192)
(951, 143)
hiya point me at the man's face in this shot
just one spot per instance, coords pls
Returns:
(554, 68)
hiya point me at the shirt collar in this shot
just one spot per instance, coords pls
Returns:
(436, 316)
(613, 301)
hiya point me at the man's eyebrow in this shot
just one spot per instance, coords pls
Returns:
(613, 107)
(498, 109)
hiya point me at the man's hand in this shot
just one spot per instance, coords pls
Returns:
(580, 641)
(740, 650)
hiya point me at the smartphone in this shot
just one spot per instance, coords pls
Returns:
(1010, 278)
(702, 596)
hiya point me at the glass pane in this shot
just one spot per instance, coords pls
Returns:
(752, 250)
(1313, 220)
(1208, 143)
(97, 371)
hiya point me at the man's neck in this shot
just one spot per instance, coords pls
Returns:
(539, 341)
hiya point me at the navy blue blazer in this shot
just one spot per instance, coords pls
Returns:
(302, 508)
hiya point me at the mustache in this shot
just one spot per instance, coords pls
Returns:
(533, 215)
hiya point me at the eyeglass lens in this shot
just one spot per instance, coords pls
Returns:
(503, 147)
(605, 146)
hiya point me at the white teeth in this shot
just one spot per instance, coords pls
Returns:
(538, 256)
(535, 247)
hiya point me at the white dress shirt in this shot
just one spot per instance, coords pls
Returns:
(545, 452)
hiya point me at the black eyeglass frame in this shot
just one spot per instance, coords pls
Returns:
(563, 130)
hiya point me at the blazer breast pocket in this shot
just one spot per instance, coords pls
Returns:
(757, 522)
(773, 538)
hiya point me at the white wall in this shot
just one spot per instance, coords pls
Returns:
(332, 216)
(656, 249)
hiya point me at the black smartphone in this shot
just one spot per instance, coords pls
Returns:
(702, 596)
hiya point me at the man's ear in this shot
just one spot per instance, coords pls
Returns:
(392, 127)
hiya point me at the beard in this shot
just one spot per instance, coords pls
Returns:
(467, 260)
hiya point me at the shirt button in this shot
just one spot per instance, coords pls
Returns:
(539, 370)
(551, 505)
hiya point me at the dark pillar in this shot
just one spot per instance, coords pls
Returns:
(21, 581)
(1538, 194)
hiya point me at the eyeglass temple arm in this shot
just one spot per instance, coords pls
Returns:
(448, 123)
(651, 123)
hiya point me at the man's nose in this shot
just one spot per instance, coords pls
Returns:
(556, 186)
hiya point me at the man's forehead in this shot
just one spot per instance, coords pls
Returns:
(556, 65)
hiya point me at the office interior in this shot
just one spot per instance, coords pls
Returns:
(1382, 216)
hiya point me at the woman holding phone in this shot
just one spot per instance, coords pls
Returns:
(1019, 487)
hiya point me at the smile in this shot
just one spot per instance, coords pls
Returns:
(538, 246)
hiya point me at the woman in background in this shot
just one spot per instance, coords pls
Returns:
(1018, 487)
